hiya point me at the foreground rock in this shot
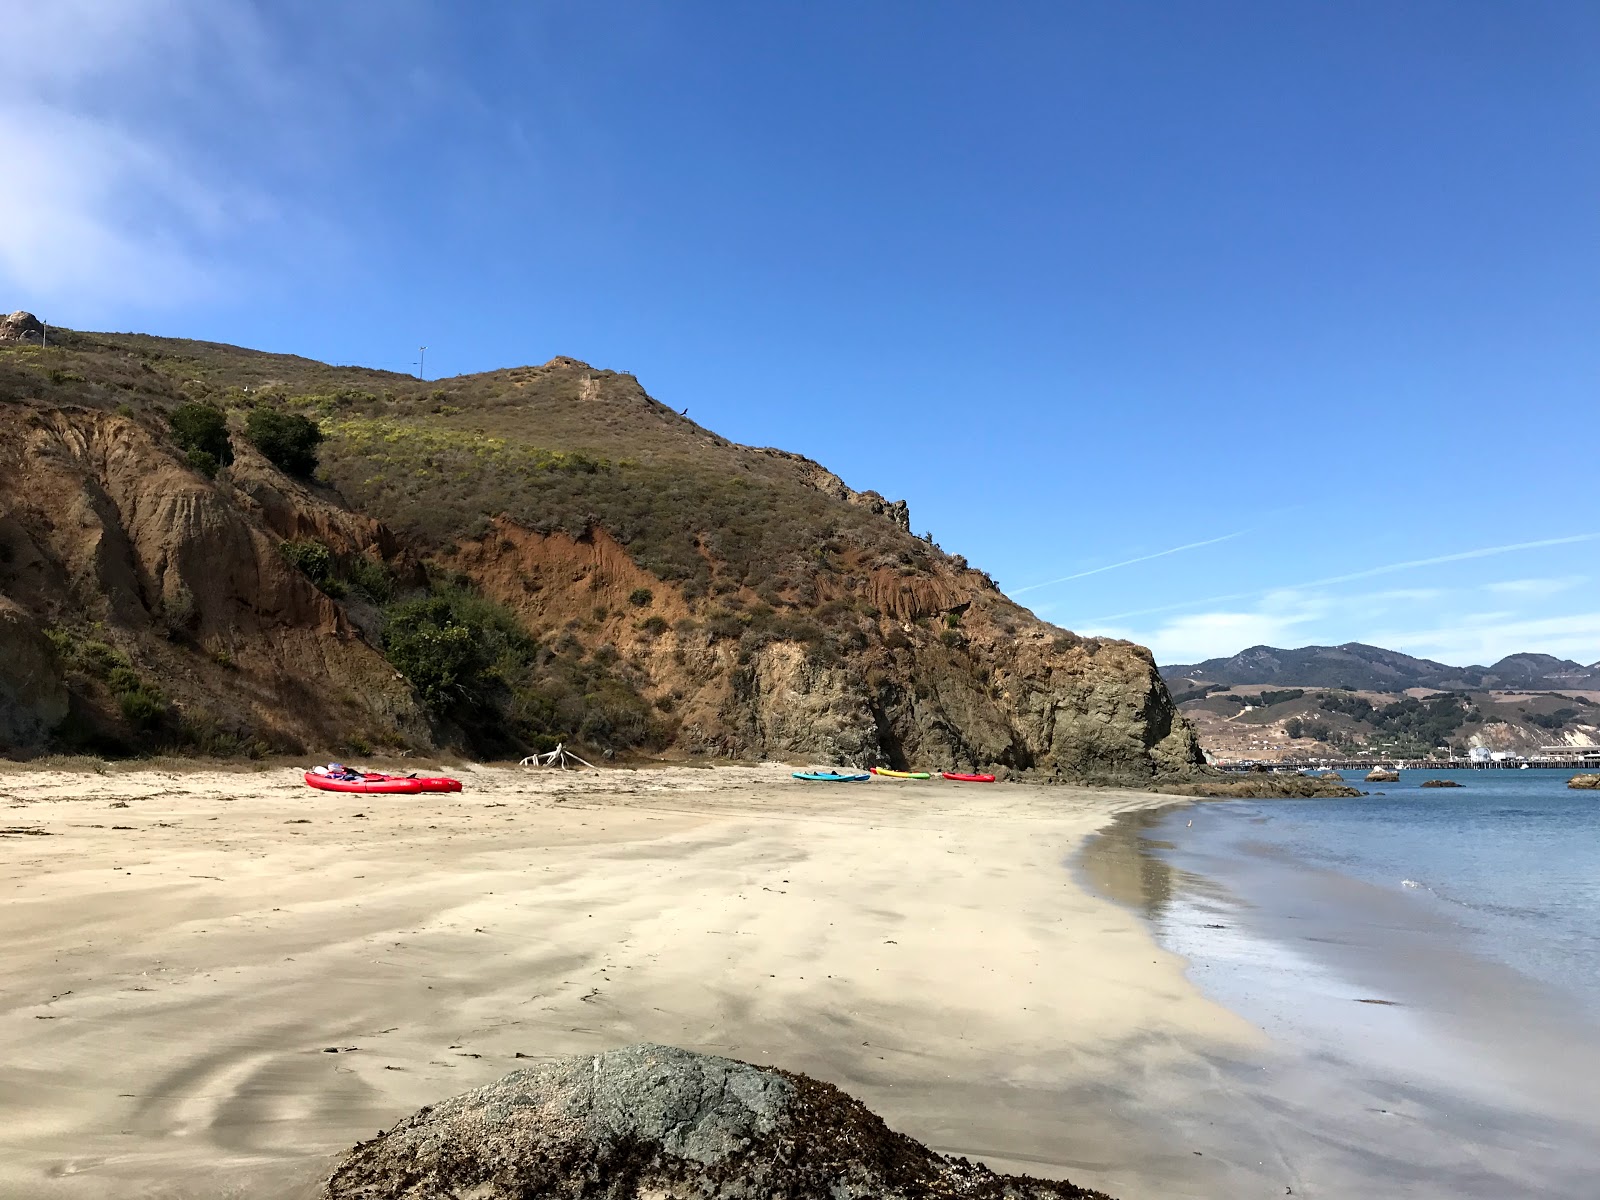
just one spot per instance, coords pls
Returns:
(1379, 775)
(1591, 782)
(656, 1121)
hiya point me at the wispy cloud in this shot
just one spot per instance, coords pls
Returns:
(98, 202)
(1534, 588)
(1349, 577)
(142, 139)
(1033, 587)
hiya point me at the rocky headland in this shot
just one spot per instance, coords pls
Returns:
(494, 562)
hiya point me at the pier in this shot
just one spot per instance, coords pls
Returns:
(1568, 758)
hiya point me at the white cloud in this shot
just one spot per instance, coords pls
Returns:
(1483, 638)
(1365, 573)
(1534, 588)
(139, 138)
(1198, 636)
(88, 214)
(1290, 617)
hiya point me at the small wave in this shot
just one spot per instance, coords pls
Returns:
(1409, 883)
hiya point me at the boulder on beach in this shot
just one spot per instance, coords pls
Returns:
(1383, 775)
(657, 1121)
(1591, 782)
(1441, 783)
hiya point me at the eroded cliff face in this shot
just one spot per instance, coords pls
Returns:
(111, 541)
(946, 672)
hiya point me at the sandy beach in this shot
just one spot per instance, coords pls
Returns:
(215, 981)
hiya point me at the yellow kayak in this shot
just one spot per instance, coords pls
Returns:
(900, 774)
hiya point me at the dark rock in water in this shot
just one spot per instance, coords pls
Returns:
(658, 1122)
(1441, 783)
(1272, 786)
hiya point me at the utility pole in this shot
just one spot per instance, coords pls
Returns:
(44, 336)
(422, 358)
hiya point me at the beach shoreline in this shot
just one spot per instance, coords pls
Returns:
(1403, 1062)
(215, 982)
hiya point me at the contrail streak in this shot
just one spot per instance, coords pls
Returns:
(1033, 587)
(1460, 556)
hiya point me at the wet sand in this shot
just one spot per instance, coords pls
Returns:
(1402, 1063)
(213, 982)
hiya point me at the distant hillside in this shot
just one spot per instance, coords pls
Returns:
(209, 548)
(1355, 666)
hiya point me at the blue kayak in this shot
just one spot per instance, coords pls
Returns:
(830, 777)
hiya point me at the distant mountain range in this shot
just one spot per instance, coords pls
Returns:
(1356, 666)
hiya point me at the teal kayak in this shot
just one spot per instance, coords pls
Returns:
(830, 777)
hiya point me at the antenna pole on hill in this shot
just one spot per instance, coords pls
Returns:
(422, 358)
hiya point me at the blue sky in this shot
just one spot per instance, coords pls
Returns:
(1205, 325)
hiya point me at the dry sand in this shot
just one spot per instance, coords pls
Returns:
(213, 982)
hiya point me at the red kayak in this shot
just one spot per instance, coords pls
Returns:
(430, 783)
(960, 778)
(367, 786)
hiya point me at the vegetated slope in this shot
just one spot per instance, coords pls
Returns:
(1357, 666)
(498, 560)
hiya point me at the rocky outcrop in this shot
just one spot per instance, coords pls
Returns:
(1382, 775)
(33, 688)
(658, 1122)
(1586, 782)
(1270, 785)
(817, 476)
(21, 327)
(1438, 783)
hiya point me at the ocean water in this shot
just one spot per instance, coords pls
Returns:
(1509, 862)
(1424, 962)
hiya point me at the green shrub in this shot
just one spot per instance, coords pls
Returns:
(201, 430)
(314, 560)
(371, 578)
(287, 440)
(472, 664)
(641, 597)
(655, 626)
(443, 652)
(142, 708)
(124, 680)
(203, 461)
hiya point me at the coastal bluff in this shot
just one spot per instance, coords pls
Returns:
(494, 563)
(657, 1121)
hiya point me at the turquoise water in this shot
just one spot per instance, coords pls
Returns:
(1511, 860)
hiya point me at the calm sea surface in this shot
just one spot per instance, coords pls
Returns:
(1510, 861)
(1426, 960)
